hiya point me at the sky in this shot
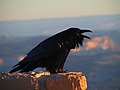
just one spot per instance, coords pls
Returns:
(42, 9)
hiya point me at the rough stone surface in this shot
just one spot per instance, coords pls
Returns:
(43, 81)
(63, 81)
(18, 81)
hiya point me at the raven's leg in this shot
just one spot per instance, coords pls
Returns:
(60, 69)
(51, 70)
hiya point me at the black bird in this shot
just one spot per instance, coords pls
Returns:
(52, 52)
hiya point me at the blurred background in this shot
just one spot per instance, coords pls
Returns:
(25, 23)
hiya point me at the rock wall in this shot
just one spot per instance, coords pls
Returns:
(43, 81)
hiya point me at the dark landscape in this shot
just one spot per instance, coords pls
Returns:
(99, 59)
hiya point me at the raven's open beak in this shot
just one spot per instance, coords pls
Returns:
(83, 31)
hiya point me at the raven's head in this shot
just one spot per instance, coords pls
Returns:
(76, 37)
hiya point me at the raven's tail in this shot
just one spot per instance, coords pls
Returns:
(16, 69)
(20, 65)
(25, 65)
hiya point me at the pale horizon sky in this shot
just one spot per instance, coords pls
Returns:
(43, 9)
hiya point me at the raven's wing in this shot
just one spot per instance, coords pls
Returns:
(45, 49)
(36, 56)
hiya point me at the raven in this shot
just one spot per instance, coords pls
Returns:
(52, 52)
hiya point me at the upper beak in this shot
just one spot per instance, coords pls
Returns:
(83, 31)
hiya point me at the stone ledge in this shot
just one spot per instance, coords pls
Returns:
(43, 81)
(18, 81)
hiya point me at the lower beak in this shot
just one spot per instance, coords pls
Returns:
(86, 37)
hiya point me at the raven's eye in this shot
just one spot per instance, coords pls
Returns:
(78, 34)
